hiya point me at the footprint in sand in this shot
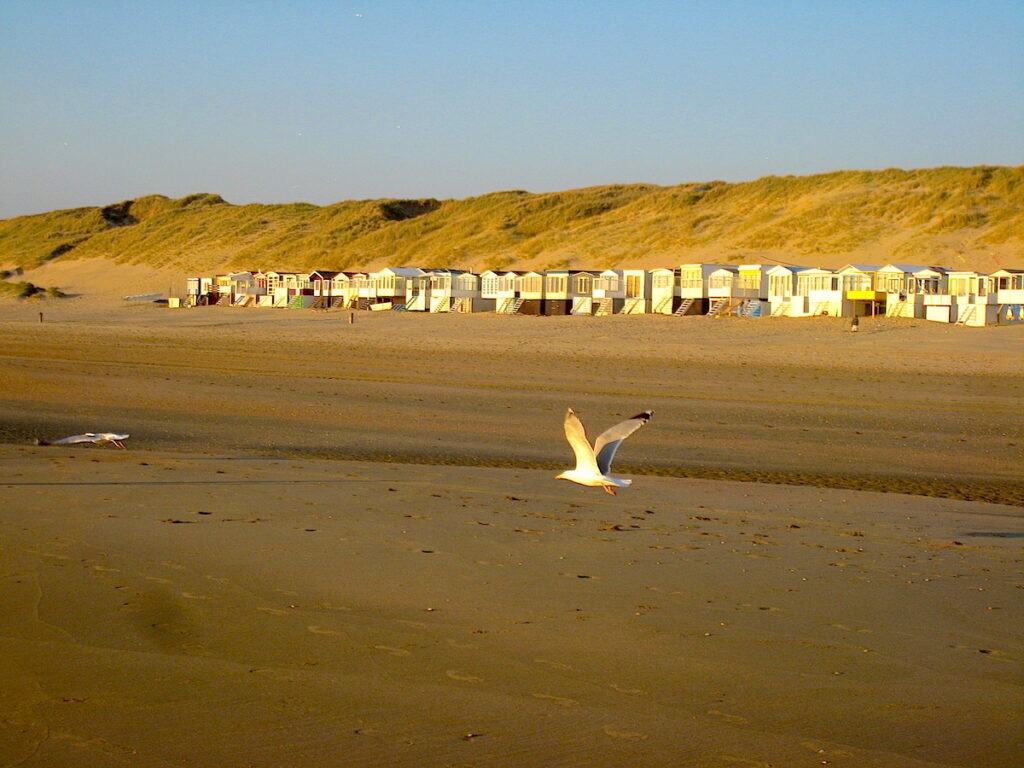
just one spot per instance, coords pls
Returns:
(275, 611)
(616, 733)
(392, 650)
(729, 718)
(456, 675)
(560, 700)
(194, 596)
(554, 664)
(318, 631)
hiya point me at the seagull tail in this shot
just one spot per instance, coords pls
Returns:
(40, 441)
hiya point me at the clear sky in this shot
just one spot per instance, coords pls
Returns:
(326, 100)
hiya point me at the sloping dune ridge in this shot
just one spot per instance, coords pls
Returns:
(963, 218)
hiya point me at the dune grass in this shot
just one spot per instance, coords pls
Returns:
(959, 217)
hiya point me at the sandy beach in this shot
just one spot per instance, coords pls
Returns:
(333, 543)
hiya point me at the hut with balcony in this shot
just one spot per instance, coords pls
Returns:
(905, 286)
(1009, 286)
(858, 295)
(391, 284)
(971, 298)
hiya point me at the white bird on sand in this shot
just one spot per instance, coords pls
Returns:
(593, 465)
(99, 438)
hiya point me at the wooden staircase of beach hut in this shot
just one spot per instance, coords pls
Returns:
(320, 302)
(338, 302)
(683, 307)
(404, 307)
(633, 307)
(604, 307)
(897, 309)
(662, 305)
(297, 302)
(967, 314)
(462, 304)
(821, 308)
(721, 307)
(751, 308)
(781, 309)
(510, 306)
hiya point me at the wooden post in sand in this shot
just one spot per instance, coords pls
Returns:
(351, 317)
(40, 317)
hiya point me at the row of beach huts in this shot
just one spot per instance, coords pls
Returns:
(749, 290)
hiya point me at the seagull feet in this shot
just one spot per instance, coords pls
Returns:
(609, 490)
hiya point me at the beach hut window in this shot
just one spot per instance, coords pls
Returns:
(583, 284)
(889, 283)
(556, 284)
(634, 286)
(690, 280)
(750, 281)
(532, 284)
(662, 280)
(490, 285)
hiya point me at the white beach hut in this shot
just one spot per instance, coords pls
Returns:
(904, 287)
(391, 284)
(499, 290)
(1009, 286)
(817, 290)
(858, 295)
(971, 299)
(637, 292)
(783, 298)
(664, 291)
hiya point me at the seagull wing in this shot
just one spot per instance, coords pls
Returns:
(577, 437)
(608, 441)
(88, 437)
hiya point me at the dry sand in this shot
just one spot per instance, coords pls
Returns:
(238, 589)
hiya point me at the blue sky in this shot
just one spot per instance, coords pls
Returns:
(267, 101)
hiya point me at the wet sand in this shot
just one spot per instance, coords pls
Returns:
(235, 589)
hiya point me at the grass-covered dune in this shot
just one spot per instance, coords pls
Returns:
(971, 218)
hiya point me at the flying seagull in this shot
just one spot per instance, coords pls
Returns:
(594, 465)
(100, 438)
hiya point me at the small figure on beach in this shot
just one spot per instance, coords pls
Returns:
(98, 438)
(593, 465)
(855, 325)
